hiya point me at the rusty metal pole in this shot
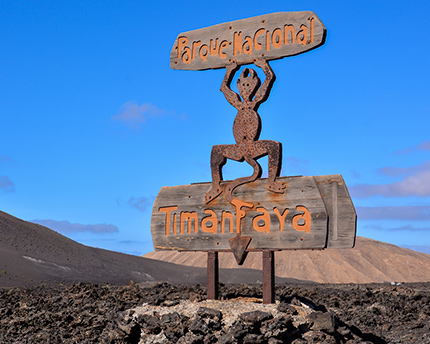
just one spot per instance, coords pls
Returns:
(213, 276)
(268, 277)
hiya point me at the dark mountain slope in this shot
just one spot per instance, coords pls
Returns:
(31, 254)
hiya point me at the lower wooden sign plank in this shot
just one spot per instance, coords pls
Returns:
(298, 219)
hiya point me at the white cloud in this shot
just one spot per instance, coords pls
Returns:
(416, 182)
(409, 213)
(423, 146)
(67, 227)
(404, 171)
(409, 228)
(355, 174)
(4, 158)
(6, 184)
(140, 203)
(133, 115)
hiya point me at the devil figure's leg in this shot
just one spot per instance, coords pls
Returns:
(274, 150)
(239, 181)
(219, 156)
(217, 162)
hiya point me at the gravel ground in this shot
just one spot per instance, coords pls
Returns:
(166, 313)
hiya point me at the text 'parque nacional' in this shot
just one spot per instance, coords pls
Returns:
(271, 36)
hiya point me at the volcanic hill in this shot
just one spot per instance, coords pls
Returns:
(33, 255)
(370, 261)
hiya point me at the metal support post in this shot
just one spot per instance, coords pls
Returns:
(268, 277)
(213, 275)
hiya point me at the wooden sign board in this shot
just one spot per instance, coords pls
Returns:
(269, 37)
(313, 213)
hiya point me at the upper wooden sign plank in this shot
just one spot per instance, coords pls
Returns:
(270, 37)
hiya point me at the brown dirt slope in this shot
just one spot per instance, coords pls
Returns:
(32, 255)
(369, 261)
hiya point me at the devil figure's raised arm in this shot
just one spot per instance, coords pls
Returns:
(232, 97)
(264, 91)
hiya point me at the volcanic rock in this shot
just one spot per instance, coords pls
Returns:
(103, 313)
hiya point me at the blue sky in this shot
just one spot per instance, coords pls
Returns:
(94, 122)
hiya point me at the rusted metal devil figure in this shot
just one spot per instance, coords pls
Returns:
(246, 131)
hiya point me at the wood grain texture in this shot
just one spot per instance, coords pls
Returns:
(272, 36)
(341, 211)
(268, 223)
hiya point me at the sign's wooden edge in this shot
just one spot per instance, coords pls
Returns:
(347, 223)
(173, 51)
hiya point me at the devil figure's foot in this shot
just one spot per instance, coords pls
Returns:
(213, 193)
(278, 187)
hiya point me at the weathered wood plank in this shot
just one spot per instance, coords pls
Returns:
(271, 36)
(296, 219)
(341, 211)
